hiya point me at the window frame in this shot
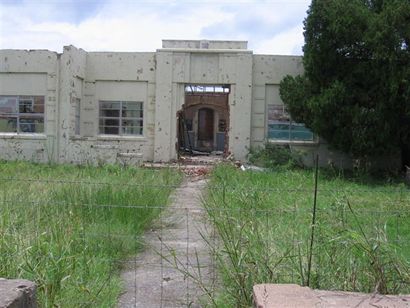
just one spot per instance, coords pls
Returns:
(291, 123)
(18, 116)
(120, 118)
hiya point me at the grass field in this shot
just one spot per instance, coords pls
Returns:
(263, 219)
(62, 228)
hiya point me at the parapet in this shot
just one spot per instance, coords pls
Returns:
(204, 44)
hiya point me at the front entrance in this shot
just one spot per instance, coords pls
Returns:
(205, 128)
(203, 120)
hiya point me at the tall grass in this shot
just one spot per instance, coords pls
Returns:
(264, 221)
(70, 228)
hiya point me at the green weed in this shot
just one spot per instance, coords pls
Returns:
(263, 221)
(64, 230)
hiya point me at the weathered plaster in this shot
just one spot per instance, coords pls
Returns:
(30, 72)
(155, 78)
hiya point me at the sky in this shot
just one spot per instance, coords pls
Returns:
(269, 26)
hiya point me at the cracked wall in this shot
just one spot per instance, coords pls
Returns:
(31, 72)
(75, 81)
(179, 66)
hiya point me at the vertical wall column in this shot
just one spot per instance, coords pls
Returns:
(240, 100)
(163, 108)
(72, 72)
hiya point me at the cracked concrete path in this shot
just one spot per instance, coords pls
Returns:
(176, 240)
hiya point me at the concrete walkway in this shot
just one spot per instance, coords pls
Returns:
(153, 279)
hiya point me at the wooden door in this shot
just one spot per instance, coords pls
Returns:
(205, 124)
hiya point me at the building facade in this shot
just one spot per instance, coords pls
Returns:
(127, 107)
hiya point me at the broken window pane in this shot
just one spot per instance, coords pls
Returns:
(8, 124)
(31, 125)
(22, 114)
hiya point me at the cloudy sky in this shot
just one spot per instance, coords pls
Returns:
(270, 26)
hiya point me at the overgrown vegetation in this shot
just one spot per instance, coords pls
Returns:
(276, 156)
(355, 89)
(263, 220)
(70, 228)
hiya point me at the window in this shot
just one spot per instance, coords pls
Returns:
(77, 118)
(281, 126)
(121, 118)
(207, 89)
(22, 114)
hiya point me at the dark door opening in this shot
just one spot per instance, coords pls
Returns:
(206, 124)
(203, 121)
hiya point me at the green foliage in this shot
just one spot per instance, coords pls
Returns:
(263, 222)
(276, 156)
(355, 91)
(60, 228)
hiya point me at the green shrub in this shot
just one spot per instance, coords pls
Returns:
(276, 156)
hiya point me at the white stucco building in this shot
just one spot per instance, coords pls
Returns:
(92, 107)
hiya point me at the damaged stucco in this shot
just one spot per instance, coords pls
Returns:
(31, 72)
(155, 78)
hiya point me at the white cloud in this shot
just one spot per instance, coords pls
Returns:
(140, 26)
(288, 42)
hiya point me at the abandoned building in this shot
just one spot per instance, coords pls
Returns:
(127, 107)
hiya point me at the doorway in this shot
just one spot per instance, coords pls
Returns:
(204, 120)
(205, 127)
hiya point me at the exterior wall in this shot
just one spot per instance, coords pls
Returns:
(204, 44)
(178, 67)
(116, 77)
(33, 72)
(87, 77)
(268, 71)
(157, 79)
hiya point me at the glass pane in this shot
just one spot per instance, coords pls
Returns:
(31, 104)
(131, 122)
(109, 122)
(132, 105)
(8, 124)
(38, 104)
(110, 113)
(109, 126)
(8, 104)
(277, 112)
(110, 105)
(132, 130)
(109, 109)
(31, 125)
(26, 105)
(132, 109)
(278, 131)
(132, 113)
(300, 132)
(109, 130)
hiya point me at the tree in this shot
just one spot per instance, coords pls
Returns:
(355, 91)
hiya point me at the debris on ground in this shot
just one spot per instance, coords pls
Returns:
(196, 171)
(252, 168)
